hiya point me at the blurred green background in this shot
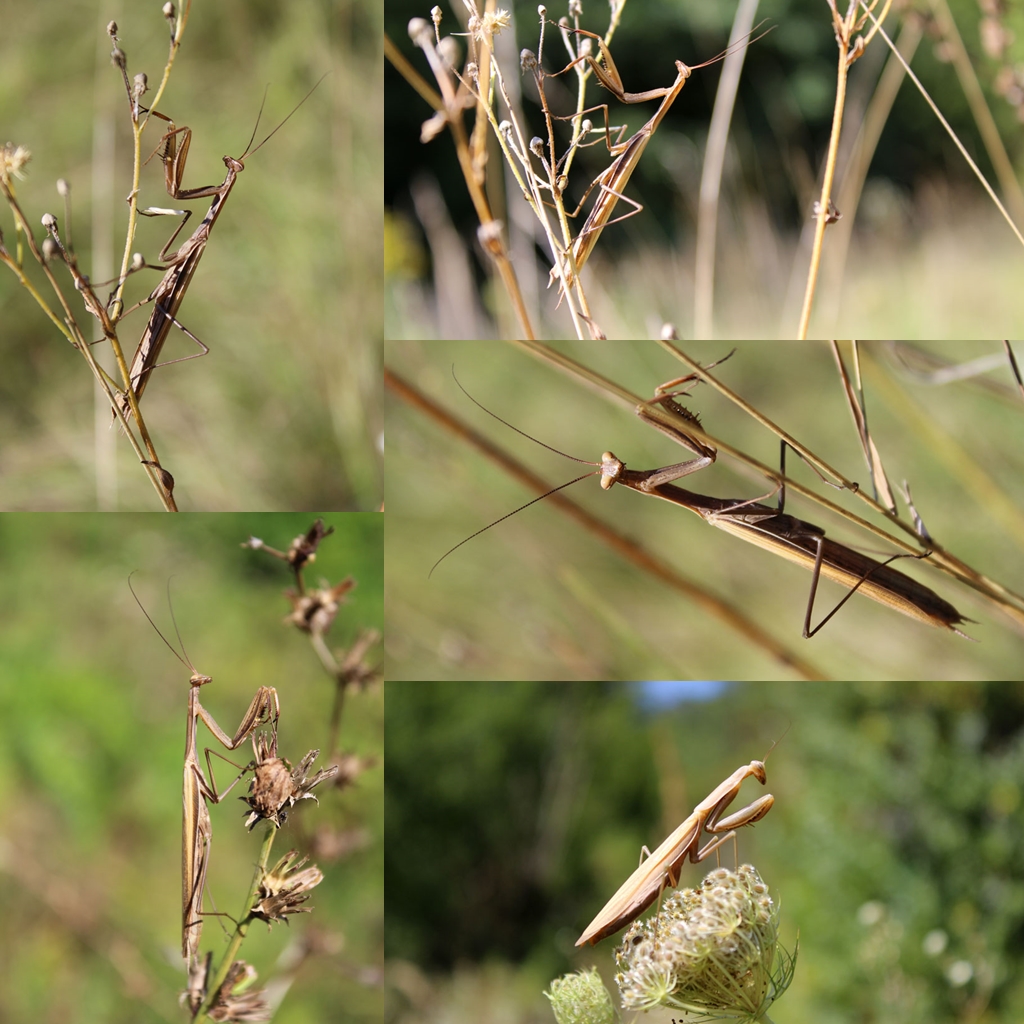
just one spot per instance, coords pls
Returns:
(92, 724)
(284, 413)
(539, 598)
(929, 256)
(895, 845)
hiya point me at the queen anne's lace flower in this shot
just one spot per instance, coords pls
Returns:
(712, 952)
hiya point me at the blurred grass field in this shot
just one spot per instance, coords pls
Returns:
(92, 714)
(536, 597)
(284, 411)
(941, 267)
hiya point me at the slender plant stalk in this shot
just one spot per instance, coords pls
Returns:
(241, 929)
(826, 193)
(711, 172)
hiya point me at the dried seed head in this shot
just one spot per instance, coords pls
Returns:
(285, 888)
(527, 60)
(112, 29)
(575, 9)
(491, 24)
(272, 789)
(314, 611)
(117, 57)
(138, 261)
(711, 951)
(12, 160)
(276, 786)
(435, 16)
(537, 146)
(249, 1004)
(49, 222)
(303, 548)
(140, 86)
(51, 250)
(63, 188)
(168, 11)
(355, 668)
(581, 999)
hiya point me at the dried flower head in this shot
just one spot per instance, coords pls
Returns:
(12, 160)
(711, 952)
(490, 24)
(276, 786)
(314, 611)
(285, 888)
(235, 999)
(355, 668)
(581, 998)
(301, 550)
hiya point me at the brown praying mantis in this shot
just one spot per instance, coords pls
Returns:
(793, 539)
(196, 831)
(661, 869)
(769, 528)
(181, 265)
(614, 178)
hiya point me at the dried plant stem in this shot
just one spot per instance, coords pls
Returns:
(450, 102)
(181, 20)
(826, 193)
(70, 329)
(856, 170)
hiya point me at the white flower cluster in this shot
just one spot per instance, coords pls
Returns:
(711, 952)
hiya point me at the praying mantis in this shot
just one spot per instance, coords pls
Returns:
(181, 264)
(794, 539)
(614, 178)
(196, 830)
(662, 868)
